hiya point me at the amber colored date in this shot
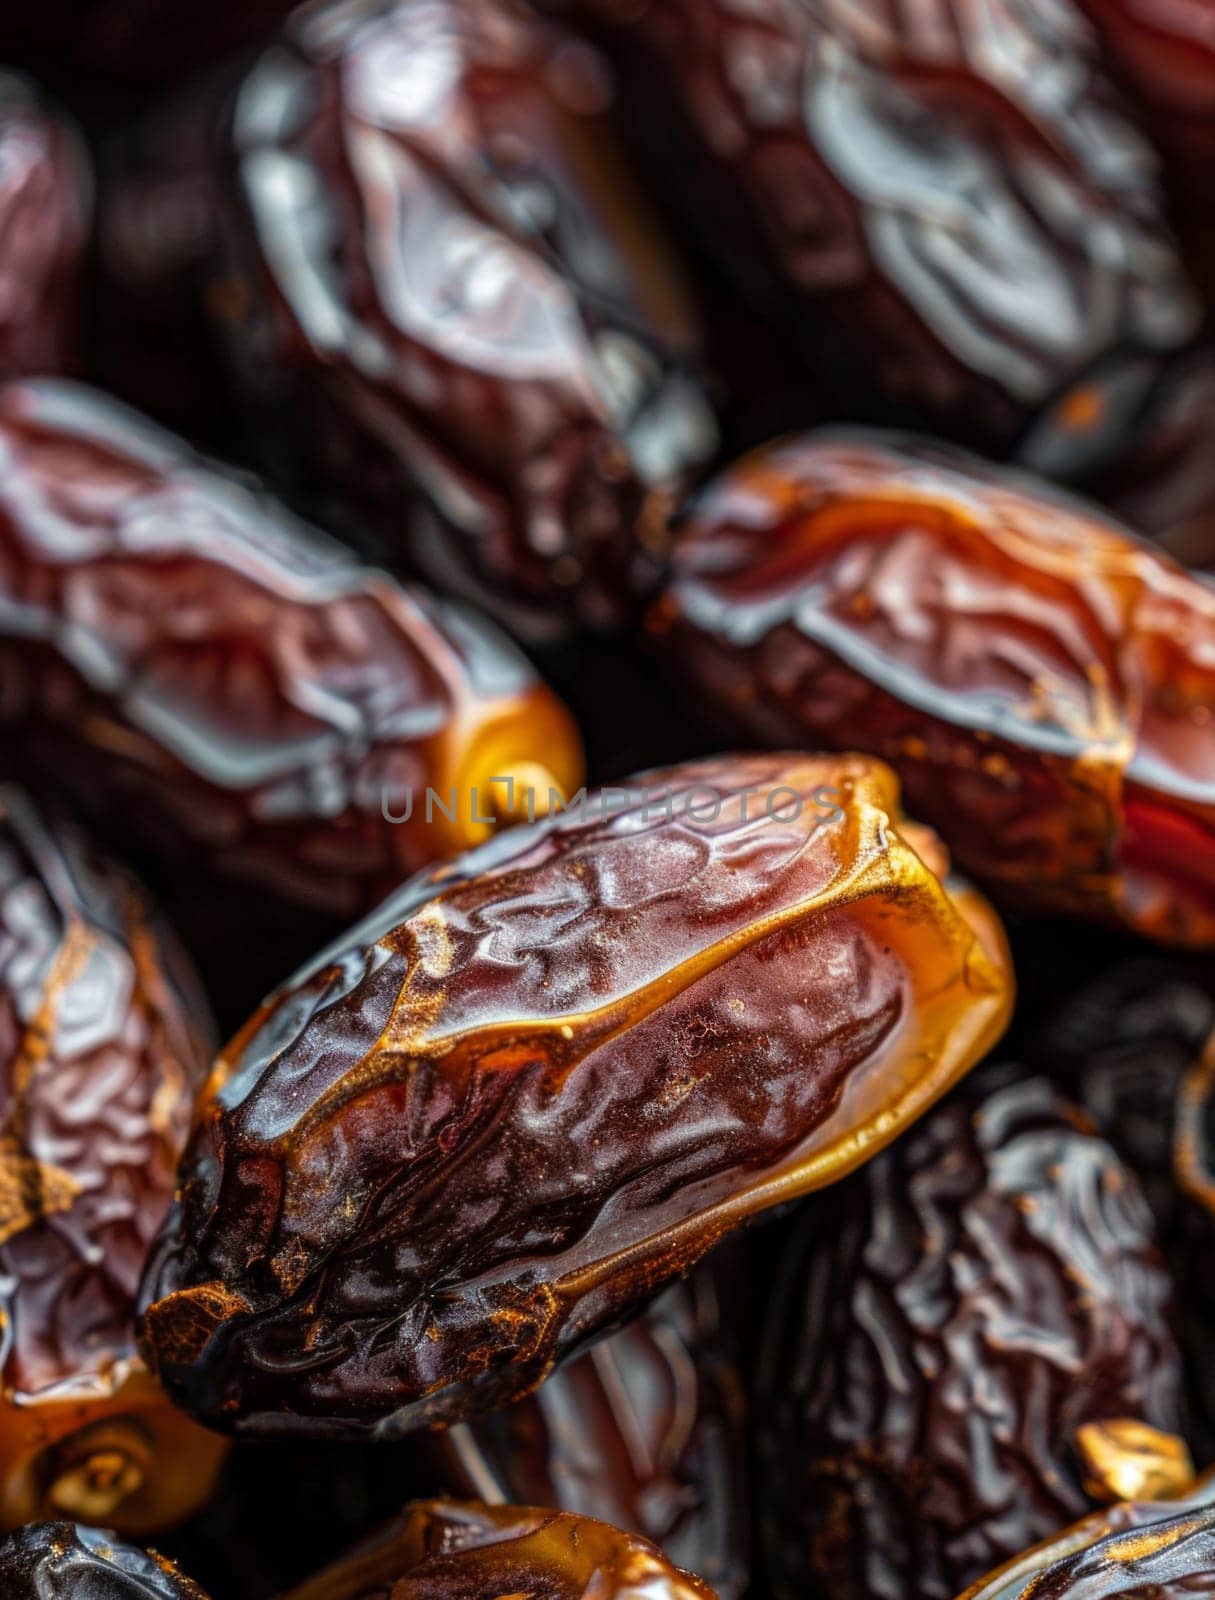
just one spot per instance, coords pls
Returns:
(541, 1082)
(440, 280)
(104, 1044)
(955, 192)
(972, 1337)
(60, 1561)
(45, 205)
(459, 1550)
(214, 677)
(646, 1430)
(1163, 1547)
(1042, 681)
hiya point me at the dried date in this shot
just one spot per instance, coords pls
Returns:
(972, 1339)
(1164, 1548)
(544, 1080)
(104, 1044)
(459, 1550)
(59, 1561)
(45, 206)
(645, 1430)
(956, 192)
(219, 679)
(438, 276)
(1042, 681)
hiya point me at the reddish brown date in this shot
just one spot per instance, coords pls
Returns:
(215, 677)
(543, 1081)
(45, 205)
(1042, 681)
(58, 1561)
(104, 1043)
(645, 1431)
(1163, 1548)
(965, 1334)
(459, 1550)
(441, 281)
(954, 191)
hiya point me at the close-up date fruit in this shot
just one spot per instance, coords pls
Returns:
(460, 1550)
(104, 1043)
(1042, 681)
(45, 206)
(442, 286)
(645, 1430)
(541, 1082)
(1159, 1547)
(60, 1561)
(970, 1343)
(208, 675)
(954, 193)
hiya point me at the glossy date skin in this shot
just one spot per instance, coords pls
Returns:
(440, 277)
(954, 191)
(1165, 1548)
(219, 680)
(942, 1337)
(59, 1561)
(460, 1550)
(540, 1083)
(646, 1430)
(45, 209)
(104, 1042)
(1041, 680)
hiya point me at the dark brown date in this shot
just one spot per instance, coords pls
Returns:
(440, 280)
(645, 1431)
(459, 1550)
(45, 205)
(214, 677)
(1163, 1548)
(955, 190)
(1042, 681)
(59, 1561)
(541, 1082)
(968, 1336)
(104, 1043)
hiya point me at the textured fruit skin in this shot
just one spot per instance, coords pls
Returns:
(645, 1430)
(1041, 680)
(45, 209)
(213, 677)
(104, 1042)
(1165, 1548)
(460, 1550)
(956, 1312)
(62, 1561)
(440, 284)
(951, 199)
(540, 1083)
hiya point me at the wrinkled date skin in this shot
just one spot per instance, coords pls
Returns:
(59, 1561)
(954, 188)
(45, 206)
(973, 1298)
(1165, 52)
(1042, 681)
(439, 275)
(645, 1430)
(104, 1044)
(459, 1550)
(543, 1081)
(1163, 1548)
(1129, 1046)
(211, 675)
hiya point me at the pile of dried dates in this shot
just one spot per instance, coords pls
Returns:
(620, 596)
